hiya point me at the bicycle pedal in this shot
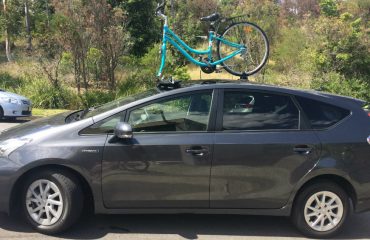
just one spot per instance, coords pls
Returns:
(218, 71)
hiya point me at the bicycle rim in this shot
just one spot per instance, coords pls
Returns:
(257, 49)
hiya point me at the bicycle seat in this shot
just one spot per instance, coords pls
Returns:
(211, 18)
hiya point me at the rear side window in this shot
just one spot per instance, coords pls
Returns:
(258, 111)
(322, 115)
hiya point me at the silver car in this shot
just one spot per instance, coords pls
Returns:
(13, 105)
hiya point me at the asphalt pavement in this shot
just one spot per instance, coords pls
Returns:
(163, 227)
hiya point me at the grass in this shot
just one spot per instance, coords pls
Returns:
(38, 112)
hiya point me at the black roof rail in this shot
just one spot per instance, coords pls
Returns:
(169, 85)
(209, 82)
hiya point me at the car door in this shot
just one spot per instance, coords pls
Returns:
(167, 162)
(261, 150)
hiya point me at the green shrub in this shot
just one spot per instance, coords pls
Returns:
(96, 98)
(45, 95)
(135, 82)
(335, 83)
(9, 83)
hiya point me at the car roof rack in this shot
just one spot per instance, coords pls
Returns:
(167, 85)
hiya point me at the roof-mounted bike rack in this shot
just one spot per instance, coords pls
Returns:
(167, 85)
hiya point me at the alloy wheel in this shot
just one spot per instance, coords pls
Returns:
(44, 202)
(323, 211)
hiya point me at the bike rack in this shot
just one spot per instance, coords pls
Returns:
(168, 85)
(244, 78)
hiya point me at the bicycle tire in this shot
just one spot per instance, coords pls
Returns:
(241, 60)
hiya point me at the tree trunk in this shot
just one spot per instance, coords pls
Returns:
(111, 77)
(7, 39)
(28, 26)
(172, 9)
(84, 77)
(47, 12)
(77, 76)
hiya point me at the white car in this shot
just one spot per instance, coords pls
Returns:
(13, 105)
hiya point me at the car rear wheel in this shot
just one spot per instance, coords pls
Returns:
(321, 209)
(52, 201)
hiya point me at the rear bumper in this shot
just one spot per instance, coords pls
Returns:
(16, 110)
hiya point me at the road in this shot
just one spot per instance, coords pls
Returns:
(163, 227)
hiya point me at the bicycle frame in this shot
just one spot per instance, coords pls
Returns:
(172, 38)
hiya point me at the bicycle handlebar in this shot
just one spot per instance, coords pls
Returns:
(160, 7)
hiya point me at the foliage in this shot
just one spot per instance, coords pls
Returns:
(341, 46)
(141, 16)
(8, 82)
(335, 83)
(329, 7)
(88, 52)
(96, 98)
(288, 52)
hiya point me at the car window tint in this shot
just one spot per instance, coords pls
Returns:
(321, 115)
(179, 114)
(105, 126)
(258, 111)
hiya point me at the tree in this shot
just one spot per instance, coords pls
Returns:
(28, 25)
(7, 35)
(10, 23)
(110, 36)
(142, 24)
(71, 24)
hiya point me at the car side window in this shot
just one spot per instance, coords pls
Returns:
(178, 114)
(243, 110)
(321, 115)
(106, 125)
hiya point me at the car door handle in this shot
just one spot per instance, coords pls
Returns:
(197, 151)
(302, 149)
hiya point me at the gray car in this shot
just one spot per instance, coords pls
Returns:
(191, 149)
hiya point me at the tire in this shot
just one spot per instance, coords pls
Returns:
(63, 189)
(302, 215)
(257, 50)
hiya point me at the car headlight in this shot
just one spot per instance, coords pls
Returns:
(10, 145)
(10, 100)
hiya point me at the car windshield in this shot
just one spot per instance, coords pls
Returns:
(118, 103)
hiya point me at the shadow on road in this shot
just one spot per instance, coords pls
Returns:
(17, 120)
(190, 226)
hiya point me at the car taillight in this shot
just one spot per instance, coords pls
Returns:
(366, 108)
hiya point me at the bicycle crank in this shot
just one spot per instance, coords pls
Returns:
(207, 69)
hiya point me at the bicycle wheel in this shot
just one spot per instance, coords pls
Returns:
(257, 48)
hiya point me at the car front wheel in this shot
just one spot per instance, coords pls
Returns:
(321, 210)
(52, 201)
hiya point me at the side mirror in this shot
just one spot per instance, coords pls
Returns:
(123, 130)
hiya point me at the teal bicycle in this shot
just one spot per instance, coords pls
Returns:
(242, 48)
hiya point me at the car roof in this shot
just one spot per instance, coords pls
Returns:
(196, 85)
(343, 101)
(224, 83)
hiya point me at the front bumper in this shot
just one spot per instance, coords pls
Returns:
(8, 171)
(17, 110)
